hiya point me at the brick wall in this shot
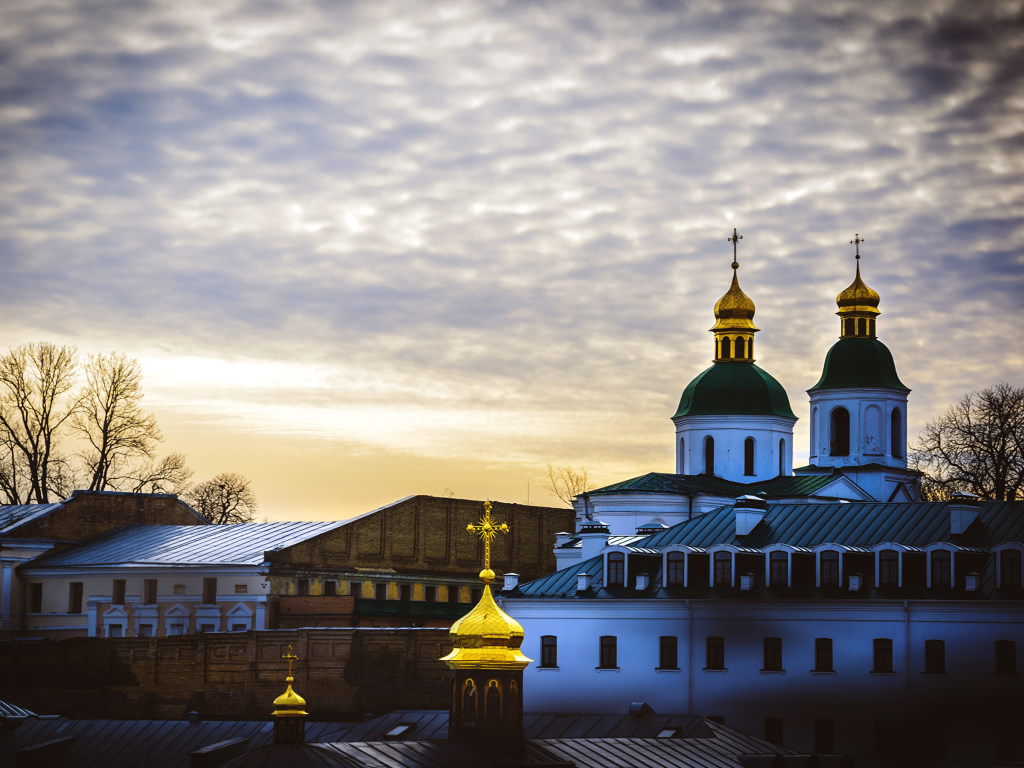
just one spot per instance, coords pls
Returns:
(340, 673)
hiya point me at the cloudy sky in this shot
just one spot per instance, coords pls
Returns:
(369, 249)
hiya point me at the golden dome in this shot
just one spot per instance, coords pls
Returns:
(858, 297)
(735, 309)
(486, 638)
(289, 703)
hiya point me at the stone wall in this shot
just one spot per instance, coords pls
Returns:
(340, 673)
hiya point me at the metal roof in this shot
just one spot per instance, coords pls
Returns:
(784, 486)
(238, 544)
(13, 516)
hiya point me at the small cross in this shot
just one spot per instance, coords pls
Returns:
(857, 240)
(736, 237)
(487, 530)
(291, 657)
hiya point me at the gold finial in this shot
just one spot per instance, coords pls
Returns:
(857, 240)
(487, 530)
(289, 703)
(736, 237)
(291, 657)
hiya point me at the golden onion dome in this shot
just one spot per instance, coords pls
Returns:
(289, 703)
(858, 297)
(735, 309)
(486, 637)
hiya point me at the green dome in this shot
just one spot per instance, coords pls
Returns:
(741, 389)
(857, 362)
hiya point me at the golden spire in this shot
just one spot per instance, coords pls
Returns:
(858, 304)
(486, 637)
(734, 327)
(289, 703)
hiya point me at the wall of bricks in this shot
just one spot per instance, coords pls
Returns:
(340, 673)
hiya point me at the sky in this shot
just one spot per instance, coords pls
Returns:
(364, 250)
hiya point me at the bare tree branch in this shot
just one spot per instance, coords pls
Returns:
(227, 498)
(168, 475)
(567, 482)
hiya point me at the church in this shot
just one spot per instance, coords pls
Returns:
(826, 607)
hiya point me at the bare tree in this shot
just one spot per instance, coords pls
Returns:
(227, 498)
(168, 475)
(976, 446)
(115, 428)
(34, 406)
(567, 482)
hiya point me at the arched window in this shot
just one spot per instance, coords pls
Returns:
(840, 432)
(871, 327)
(1009, 569)
(888, 568)
(723, 569)
(829, 568)
(750, 349)
(848, 327)
(709, 455)
(782, 457)
(748, 456)
(726, 348)
(896, 433)
(675, 568)
(860, 326)
(942, 562)
(682, 455)
(778, 569)
(741, 351)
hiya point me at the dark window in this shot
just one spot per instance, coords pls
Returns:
(714, 657)
(824, 737)
(616, 569)
(75, 597)
(773, 730)
(668, 652)
(210, 591)
(35, 598)
(726, 348)
(430, 594)
(882, 657)
(330, 588)
(942, 562)
(1006, 657)
(145, 630)
(380, 591)
(302, 587)
(823, 654)
(548, 651)
(896, 433)
(885, 738)
(609, 654)
(118, 596)
(829, 568)
(149, 591)
(848, 326)
(405, 591)
(723, 569)
(676, 569)
(888, 568)
(773, 654)
(748, 456)
(861, 326)
(782, 457)
(1009, 568)
(840, 433)
(453, 593)
(778, 569)
(934, 657)
(355, 588)
(709, 455)
(741, 351)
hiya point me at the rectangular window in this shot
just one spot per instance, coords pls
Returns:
(302, 587)
(1006, 657)
(723, 569)
(430, 593)
(714, 653)
(75, 597)
(773, 654)
(330, 587)
(823, 654)
(934, 657)
(239, 627)
(1009, 569)
(824, 737)
(882, 657)
(207, 627)
(355, 588)
(405, 591)
(616, 569)
(241, 589)
(145, 630)
(888, 568)
(676, 569)
(453, 593)
(179, 589)
(177, 628)
(548, 651)
(829, 568)
(116, 630)
(35, 598)
(609, 652)
(778, 569)
(149, 591)
(773, 730)
(210, 590)
(942, 568)
(380, 591)
(118, 592)
(668, 652)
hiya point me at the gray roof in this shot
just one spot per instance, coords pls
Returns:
(239, 544)
(13, 516)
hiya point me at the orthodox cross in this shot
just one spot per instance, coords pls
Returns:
(736, 237)
(857, 240)
(291, 657)
(487, 530)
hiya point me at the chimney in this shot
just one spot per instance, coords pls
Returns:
(582, 582)
(746, 582)
(856, 580)
(963, 510)
(511, 582)
(594, 537)
(750, 510)
(648, 528)
(643, 580)
(562, 538)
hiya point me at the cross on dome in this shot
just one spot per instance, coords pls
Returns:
(486, 529)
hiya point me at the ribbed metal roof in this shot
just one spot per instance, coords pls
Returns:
(785, 486)
(13, 516)
(239, 544)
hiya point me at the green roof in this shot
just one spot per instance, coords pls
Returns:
(734, 388)
(859, 363)
(690, 485)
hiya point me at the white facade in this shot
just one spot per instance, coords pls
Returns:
(877, 434)
(747, 449)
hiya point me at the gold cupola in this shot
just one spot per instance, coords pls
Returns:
(289, 710)
(734, 327)
(858, 305)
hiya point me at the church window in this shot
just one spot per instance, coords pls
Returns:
(75, 597)
(823, 654)
(714, 653)
(934, 657)
(896, 433)
(723, 569)
(609, 652)
(149, 591)
(1009, 569)
(302, 587)
(675, 569)
(882, 655)
(888, 568)
(209, 590)
(1006, 657)
(871, 327)
(741, 351)
(829, 567)
(782, 457)
(668, 652)
(942, 562)
(35, 598)
(548, 651)
(848, 327)
(840, 432)
(772, 654)
(726, 348)
(118, 593)
(750, 349)
(616, 569)
(860, 326)
(709, 455)
(748, 456)
(778, 569)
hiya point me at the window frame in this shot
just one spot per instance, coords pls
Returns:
(824, 656)
(615, 564)
(771, 656)
(209, 590)
(714, 653)
(881, 656)
(1002, 552)
(668, 651)
(149, 591)
(118, 590)
(608, 652)
(76, 590)
(548, 652)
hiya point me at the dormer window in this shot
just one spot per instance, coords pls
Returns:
(828, 568)
(616, 564)
(941, 565)
(1009, 568)
(778, 569)
(888, 561)
(675, 569)
(722, 564)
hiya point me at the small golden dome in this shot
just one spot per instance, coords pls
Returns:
(858, 297)
(289, 703)
(735, 309)
(486, 638)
